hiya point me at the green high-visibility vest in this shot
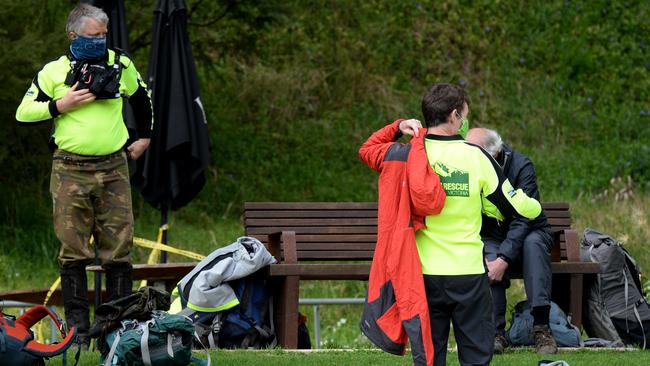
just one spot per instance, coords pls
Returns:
(94, 129)
(474, 183)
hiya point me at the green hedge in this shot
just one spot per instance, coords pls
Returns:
(292, 88)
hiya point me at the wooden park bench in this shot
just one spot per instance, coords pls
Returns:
(303, 235)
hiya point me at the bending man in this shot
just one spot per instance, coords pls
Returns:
(517, 244)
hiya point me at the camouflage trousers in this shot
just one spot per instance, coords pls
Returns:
(91, 195)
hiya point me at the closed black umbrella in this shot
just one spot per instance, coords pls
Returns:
(171, 172)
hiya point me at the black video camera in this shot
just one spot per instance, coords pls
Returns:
(101, 79)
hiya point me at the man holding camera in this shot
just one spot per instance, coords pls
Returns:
(82, 92)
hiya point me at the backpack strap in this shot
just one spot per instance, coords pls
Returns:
(211, 340)
(627, 327)
(180, 295)
(263, 332)
(170, 348)
(144, 343)
(591, 253)
(126, 325)
(634, 307)
(638, 318)
(198, 361)
(109, 358)
(33, 316)
(3, 341)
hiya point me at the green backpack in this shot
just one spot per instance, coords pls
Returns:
(163, 340)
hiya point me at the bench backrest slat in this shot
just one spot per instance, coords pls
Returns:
(253, 230)
(339, 245)
(292, 206)
(343, 230)
(267, 214)
(312, 222)
(552, 214)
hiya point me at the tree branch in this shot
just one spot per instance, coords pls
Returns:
(211, 21)
(140, 41)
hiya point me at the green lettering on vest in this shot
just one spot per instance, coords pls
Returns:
(454, 181)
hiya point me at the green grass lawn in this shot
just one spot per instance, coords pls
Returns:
(372, 357)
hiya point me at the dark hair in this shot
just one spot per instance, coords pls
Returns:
(439, 101)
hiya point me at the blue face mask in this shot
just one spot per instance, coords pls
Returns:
(88, 48)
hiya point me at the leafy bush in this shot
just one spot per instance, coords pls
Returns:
(291, 89)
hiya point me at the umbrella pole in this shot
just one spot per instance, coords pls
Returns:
(163, 225)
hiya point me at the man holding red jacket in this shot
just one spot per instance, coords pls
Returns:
(448, 246)
(396, 308)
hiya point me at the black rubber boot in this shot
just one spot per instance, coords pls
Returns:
(74, 287)
(119, 282)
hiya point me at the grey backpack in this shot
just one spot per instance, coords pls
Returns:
(615, 307)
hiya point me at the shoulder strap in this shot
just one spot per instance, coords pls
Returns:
(198, 361)
(119, 51)
(33, 316)
(117, 66)
(3, 341)
(181, 295)
(109, 358)
(144, 342)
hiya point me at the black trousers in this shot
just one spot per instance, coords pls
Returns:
(535, 265)
(465, 301)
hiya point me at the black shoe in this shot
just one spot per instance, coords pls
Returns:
(500, 343)
(544, 341)
(74, 287)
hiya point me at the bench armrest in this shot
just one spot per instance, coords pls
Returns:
(283, 242)
(571, 245)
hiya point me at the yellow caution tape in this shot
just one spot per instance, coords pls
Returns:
(154, 256)
(41, 334)
(157, 246)
(153, 245)
(53, 288)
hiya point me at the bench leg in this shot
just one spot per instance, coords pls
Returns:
(575, 302)
(286, 311)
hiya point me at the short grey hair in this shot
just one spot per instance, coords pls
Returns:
(492, 142)
(79, 15)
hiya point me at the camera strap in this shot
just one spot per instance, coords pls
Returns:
(71, 77)
(117, 65)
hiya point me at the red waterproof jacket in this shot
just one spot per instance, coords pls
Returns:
(396, 307)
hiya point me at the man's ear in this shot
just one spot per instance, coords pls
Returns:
(451, 114)
(72, 35)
